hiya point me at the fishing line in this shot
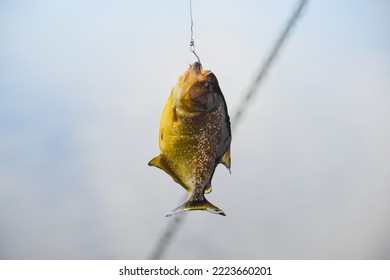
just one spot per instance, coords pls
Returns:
(192, 42)
(268, 62)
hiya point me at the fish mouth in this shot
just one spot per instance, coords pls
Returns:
(197, 70)
(193, 73)
(196, 67)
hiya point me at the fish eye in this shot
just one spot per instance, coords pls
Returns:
(209, 87)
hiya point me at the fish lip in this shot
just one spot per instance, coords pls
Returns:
(197, 70)
(196, 67)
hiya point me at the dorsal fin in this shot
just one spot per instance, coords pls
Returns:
(161, 163)
(225, 159)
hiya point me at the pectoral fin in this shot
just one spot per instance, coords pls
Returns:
(161, 163)
(225, 159)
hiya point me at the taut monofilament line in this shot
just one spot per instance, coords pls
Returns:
(192, 42)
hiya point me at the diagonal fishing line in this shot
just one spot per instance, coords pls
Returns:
(167, 236)
(270, 58)
(175, 222)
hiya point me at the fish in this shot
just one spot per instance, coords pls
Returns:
(194, 137)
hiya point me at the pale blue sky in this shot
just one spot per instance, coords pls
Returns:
(82, 86)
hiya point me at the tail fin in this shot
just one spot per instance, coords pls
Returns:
(202, 204)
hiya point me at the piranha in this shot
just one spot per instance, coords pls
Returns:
(194, 136)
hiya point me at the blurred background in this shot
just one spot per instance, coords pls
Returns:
(82, 87)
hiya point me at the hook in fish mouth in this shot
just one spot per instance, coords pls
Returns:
(196, 67)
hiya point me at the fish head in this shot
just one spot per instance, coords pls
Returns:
(197, 90)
